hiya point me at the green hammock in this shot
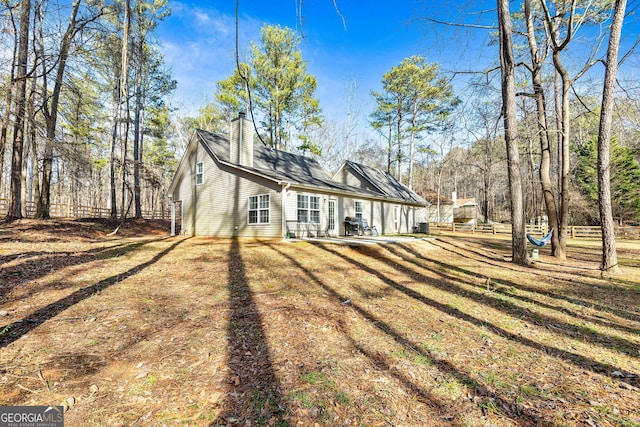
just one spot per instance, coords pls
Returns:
(542, 242)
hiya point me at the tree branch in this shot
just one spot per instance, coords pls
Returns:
(457, 24)
(344, 21)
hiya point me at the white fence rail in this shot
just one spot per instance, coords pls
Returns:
(574, 231)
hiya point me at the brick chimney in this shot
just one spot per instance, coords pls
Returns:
(241, 139)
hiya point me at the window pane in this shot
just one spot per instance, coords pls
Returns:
(253, 202)
(315, 217)
(303, 202)
(253, 217)
(359, 210)
(302, 215)
(264, 202)
(314, 202)
(199, 169)
(264, 217)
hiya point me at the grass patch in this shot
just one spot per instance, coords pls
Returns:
(494, 380)
(342, 398)
(314, 378)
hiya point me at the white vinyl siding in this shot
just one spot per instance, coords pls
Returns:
(259, 209)
(220, 205)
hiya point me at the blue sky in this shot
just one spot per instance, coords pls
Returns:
(198, 42)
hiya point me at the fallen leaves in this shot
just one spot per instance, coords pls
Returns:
(215, 332)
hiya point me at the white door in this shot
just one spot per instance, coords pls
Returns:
(332, 226)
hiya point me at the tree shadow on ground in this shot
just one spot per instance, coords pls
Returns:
(505, 288)
(511, 407)
(14, 331)
(257, 394)
(577, 359)
(490, 299)
(40, 264)
(575, 292)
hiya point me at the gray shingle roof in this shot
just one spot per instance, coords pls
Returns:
(386, 183)
(300, 170)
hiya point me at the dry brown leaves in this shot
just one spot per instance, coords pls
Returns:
(149, 330)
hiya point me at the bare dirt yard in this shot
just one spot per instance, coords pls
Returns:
(142, 329)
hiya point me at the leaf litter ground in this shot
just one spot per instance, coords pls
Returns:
(142, 329)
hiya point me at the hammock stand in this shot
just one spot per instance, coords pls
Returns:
(542, 242)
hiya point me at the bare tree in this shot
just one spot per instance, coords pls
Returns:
(8, 95)
(609, 253)
(561, 27)
(538, 57)
(15, 205)
(124, 99)
(507, 63)
(147, 16)
(50, 110)
(484, 154)
(353, 113)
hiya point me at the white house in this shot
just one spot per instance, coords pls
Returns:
(233, 186)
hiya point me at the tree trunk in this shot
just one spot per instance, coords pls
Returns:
(137, 132)
(15, 204)
(124, 97)
(389, 149)
(125, 148)
(485, 195)
(399, 142)
(113, 200)
(411, 153)
(609, 253)
(35, 167)
(565, 131)
(543, 131)
(34, 183)
(8, 101)
(564, 124)
(51, 116)
(518, 239)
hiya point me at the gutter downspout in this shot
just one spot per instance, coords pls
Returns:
(285, 186)
(173, 216)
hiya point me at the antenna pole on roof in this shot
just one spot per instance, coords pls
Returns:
(245, 78)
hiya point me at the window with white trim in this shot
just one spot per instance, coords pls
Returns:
(359, 209)
(308, 209)
(199, 173)
(259, 211)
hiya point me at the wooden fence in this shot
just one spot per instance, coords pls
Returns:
(75, 211)
(574, 232)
